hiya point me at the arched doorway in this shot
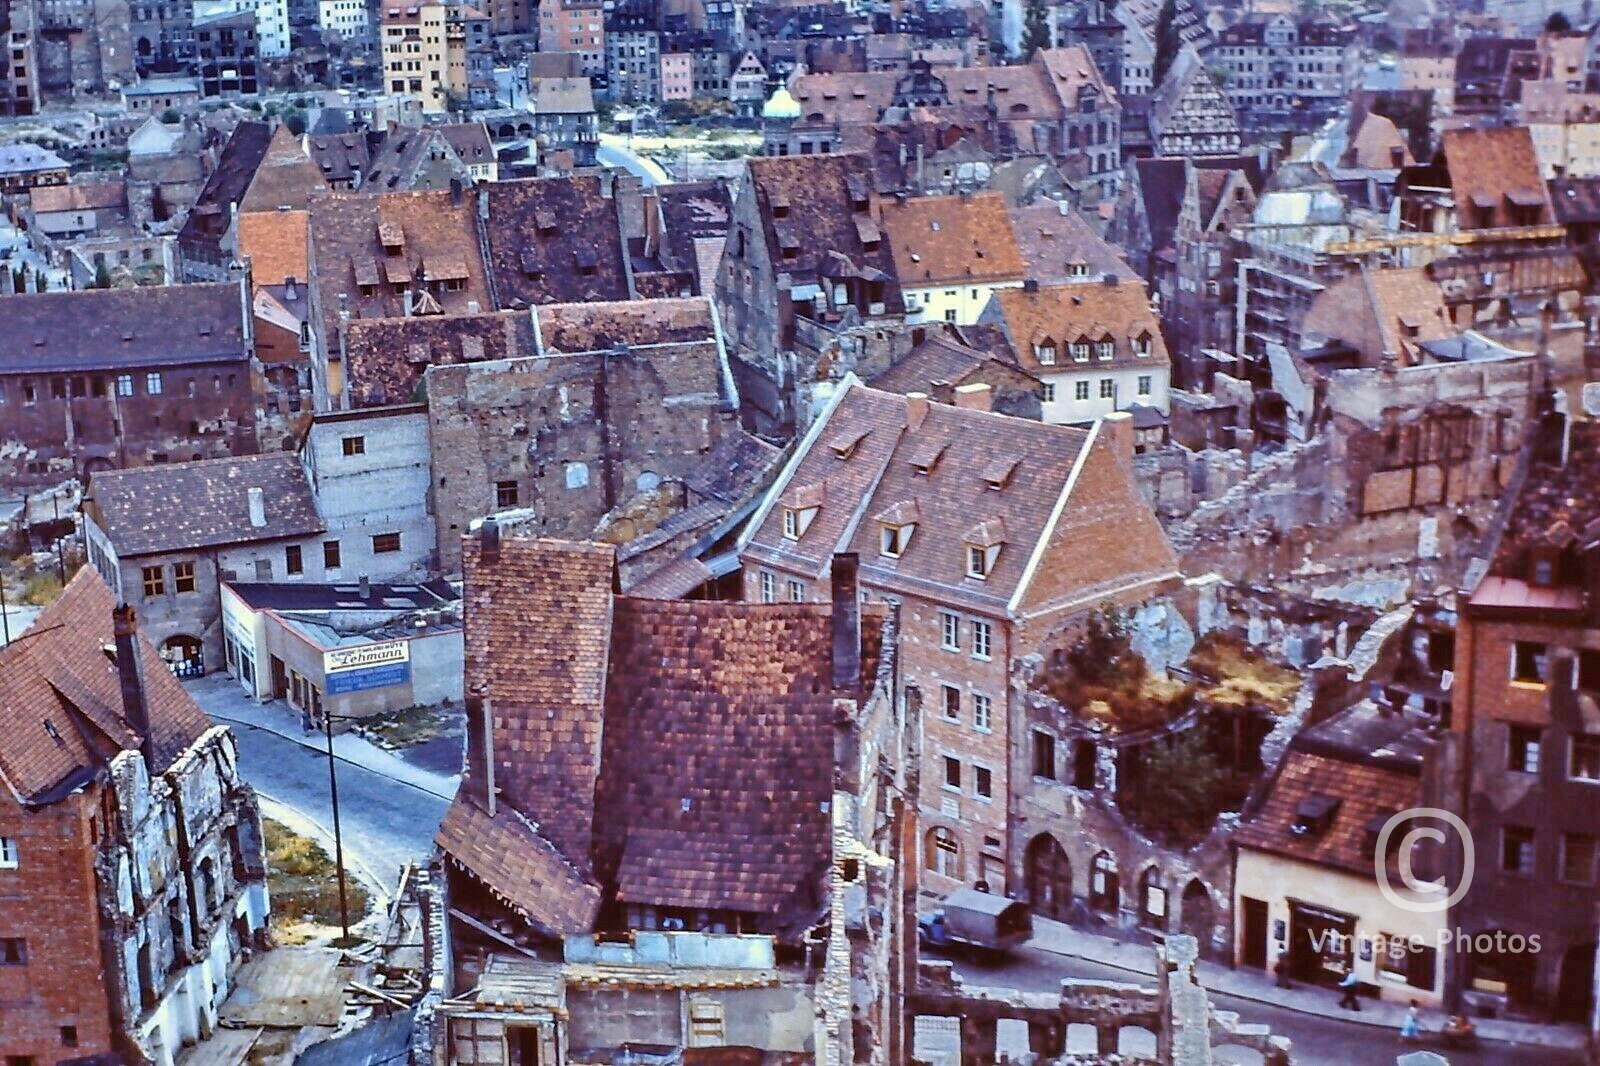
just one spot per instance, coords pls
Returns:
(1105, 892)
(1049, 877)
(1152, 899)
(1198, 915)
(1575, 994)
(184, 656)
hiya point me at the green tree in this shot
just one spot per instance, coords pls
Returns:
(102, 276)
(1035, 27)
(170, 115)
(1558, 23)
(1179, 788)
(40, 282)
(1168, 42)
(296, 121)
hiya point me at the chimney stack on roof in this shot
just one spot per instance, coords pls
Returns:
(916, 409)
(1117, 428)
(489, 541)
(258, 506)
(130, 678)
(976, 397)
(846, 622)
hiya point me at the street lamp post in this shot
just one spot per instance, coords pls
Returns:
(338, 836)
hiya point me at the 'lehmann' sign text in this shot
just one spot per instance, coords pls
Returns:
(365, 656)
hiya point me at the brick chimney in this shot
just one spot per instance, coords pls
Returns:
(975, 397)
(130, 678)
(916, 409)
(1117, 428)
(846, 622)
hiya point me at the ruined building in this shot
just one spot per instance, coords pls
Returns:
(130, 850)
(677, 823)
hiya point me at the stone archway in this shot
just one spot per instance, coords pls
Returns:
(184, 655)
(1049, 876)
(1197, 914)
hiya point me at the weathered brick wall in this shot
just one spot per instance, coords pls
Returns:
(51, 903)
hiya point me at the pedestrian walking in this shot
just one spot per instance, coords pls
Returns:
(1347, 988)
(1411, 1024)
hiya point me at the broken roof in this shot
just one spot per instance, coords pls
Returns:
(601, 327)
(386, 358)
(61, 699)
(173, 507)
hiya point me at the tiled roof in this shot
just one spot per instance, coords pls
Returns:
(172, 507)
(470, 141)
(108, 329)
(1403, 304)
(939, 359)
(1161, 188)
(61, 700)
(80, 196)
(411, 159)
(812, 204)
(386, 358)
(718, 761)
(508, 855)
(1364, 793)
(1557, 506)
(341, 156)
(680, 753)
(439, 236)
(560, 96)
(236, 168)
(866, 457)
(1053, 239)
(275, 242)
(555, 240)
(1376, 144)
(1062, 315)
(286, 178)
(1496, 169)
(952, 239)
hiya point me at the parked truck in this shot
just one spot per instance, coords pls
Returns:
(977, 922)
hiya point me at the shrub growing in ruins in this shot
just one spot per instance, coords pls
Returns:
(1179, 789)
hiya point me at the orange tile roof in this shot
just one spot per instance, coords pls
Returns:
(275, 242)
(1063, 315)
(952, 239)
(1493, 169)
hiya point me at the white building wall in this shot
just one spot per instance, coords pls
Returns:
(961, 304)
(382, 488)
(347, 18)
(272, 21)
(1067, 409)
(1277, 880)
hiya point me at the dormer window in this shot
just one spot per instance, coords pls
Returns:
(1314, 815)
(1045, 351)
(1080, 350)
(845, 445)
(796, 520)
(1142, 345)
(893, 540)
(982, 544)
(895, 527)
(1105, 349)
(1077, 270)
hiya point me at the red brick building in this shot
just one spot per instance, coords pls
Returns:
(991, 533)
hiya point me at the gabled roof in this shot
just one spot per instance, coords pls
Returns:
(61, 705)
(893, 440)
(1161, 185)
(679, 753)
(172, 507)
(275, 244)
(555, 240)
(1366, 795)
(1494, 169)
(285, 179)
(1382, 312)
(236, 168)
(943, 358)
(811, 204)
(110, 329)
(952, 239)
(1053, 239)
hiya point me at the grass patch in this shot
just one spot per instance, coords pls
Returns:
(1102, 678)
(41, 588)
(1240, 676)
(304, 886)
(414, 725)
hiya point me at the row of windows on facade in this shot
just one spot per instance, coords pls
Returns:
(1108, 389)
(1525, 749)
(1577, 855)
(893, 541)
(79, 386)
(1530, 660)
(154, 578)
(1104, 349)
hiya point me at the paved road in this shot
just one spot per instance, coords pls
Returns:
(1317, 1041)
(386, 823)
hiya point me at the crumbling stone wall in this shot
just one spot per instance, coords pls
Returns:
(575, 434)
